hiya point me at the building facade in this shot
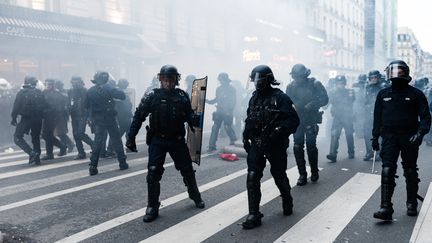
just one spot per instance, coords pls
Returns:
(409, 50)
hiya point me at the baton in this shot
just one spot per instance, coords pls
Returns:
(373, 162)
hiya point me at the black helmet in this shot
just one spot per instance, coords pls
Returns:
(190, 78)
(362, 78)
(299, 71)
(123, 83)
(397, 70)
(223, 77)
(59, 84)
(100, 77)
(49, 81)
(263, 76)
(340, 79)
(30, 80)
(374, 74)
(169, 70)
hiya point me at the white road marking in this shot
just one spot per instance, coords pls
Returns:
(327, 220)
(422, 230)
(216, 218)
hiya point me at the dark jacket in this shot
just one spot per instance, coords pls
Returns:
(100, 101)
(168, 111)
(29, 103)
(401, 111)
(308, 97)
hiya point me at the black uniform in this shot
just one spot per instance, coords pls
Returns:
(371, 92)
(101, 105)
(271, 118)
(226, 101)
(29, 104)
(124, 118)
(401, 119)
(309, 96)
(341, 100)
(79, 115)
(53, 114)
(168, 110)
(62, 130)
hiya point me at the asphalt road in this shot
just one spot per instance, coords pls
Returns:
(59, 201)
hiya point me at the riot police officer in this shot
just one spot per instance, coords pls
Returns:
(358, 108)
(79, 115)
(62, 126)
(101, 105)
(271, 118)
(189, 83)
(225, 101)
(124, 111)
(169, 108)
(401, 119)
(308, 95)
(371, 91)
(341, 101)
(53, 113)
(29, 104)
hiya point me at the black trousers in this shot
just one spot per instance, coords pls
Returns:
(78, 131)
(25, 126)
(101, 127)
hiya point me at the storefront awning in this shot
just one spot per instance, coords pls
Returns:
(34, 24)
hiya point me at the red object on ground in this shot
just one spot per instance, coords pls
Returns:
(229, 157)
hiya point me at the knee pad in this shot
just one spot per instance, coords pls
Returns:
(388, 175)
(18, 139)
(253, 179)
(154, 174)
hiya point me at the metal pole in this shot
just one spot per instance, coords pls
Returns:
(373, 162)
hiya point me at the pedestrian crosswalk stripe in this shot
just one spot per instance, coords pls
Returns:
(74, 189)
(42, 168)
(79, 188)
(329, 218)
(422, 230)
(25, 161)
(217, 217)
(140, 212)
(44, 182)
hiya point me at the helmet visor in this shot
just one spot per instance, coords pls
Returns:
(396, 71)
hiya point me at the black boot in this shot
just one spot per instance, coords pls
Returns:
(63, 150)
(192, 187)
(313, 162)
(285, 190)
(254, 197)
(332, 158)
(123, 165)
(412, 180)
(93, 170)
(80, 156)
(48, 157)
(152, 211)
(387, 187)
(34, 158)
(334, 145)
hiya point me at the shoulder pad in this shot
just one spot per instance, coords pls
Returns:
(181, 92)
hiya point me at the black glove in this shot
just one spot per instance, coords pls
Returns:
(375, 144)
(131, 145)
(416, 139)
(246, 145)
(14, 122)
